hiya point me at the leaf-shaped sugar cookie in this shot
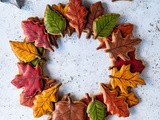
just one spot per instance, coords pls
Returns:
(96, 110)
(136, 65)
(24, 51)
(119, 46)
(125, 29)
(104, 25)
(131, 99)
(87, 100)
(96, 10)
(63, 10)
(69, 110)
(44, 101)
(37, 61)
(115, 105)
(35, 32)
(124, 78)
(77, 13)
(30, 79)
(52, 38)
(55, 23)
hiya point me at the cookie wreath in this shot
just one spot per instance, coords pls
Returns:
(41, 93)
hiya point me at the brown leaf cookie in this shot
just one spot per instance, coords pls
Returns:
(69, 110)
(119, 46)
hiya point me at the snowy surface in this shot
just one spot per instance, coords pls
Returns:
(77, 64)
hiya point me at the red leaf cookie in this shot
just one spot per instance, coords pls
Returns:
(136, 65)
(77, 13)
(35, 32)
(29, 78)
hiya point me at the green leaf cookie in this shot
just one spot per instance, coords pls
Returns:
(104, 25)
(36, 61)
(96, 110)
(54, 22)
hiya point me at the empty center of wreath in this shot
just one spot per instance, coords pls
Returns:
(78, 65)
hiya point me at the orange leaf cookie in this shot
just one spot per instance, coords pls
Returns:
(124, 78)
(77, 13)
(115, 105)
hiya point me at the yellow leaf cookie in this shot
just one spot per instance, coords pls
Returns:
(124, 78)
(43, 102)
(24, 51)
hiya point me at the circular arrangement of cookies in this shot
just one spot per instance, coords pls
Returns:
(41, 93)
